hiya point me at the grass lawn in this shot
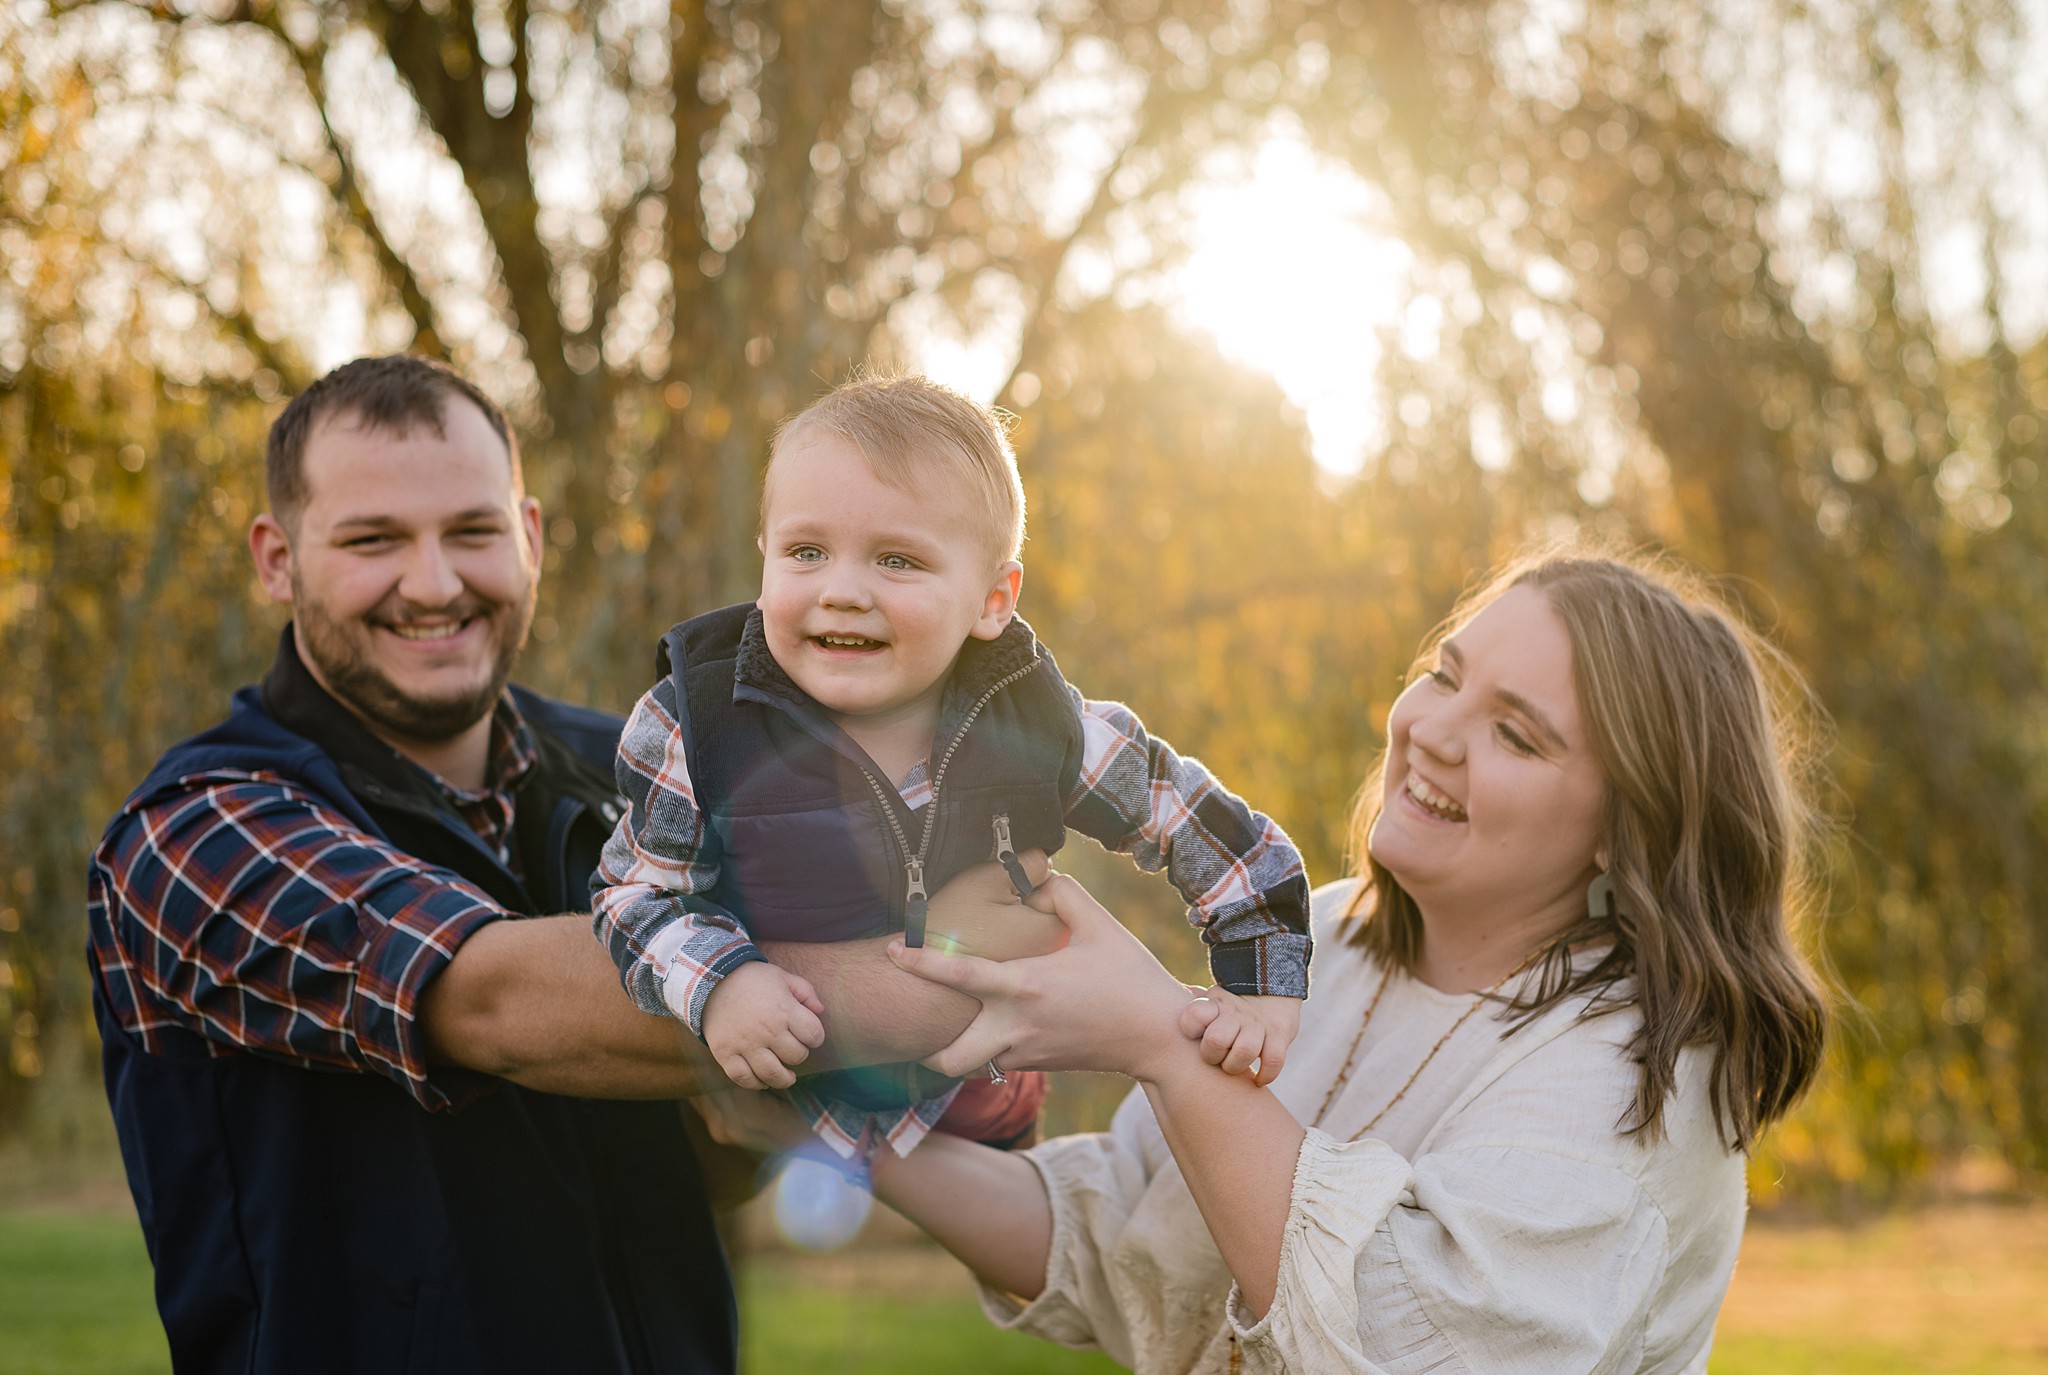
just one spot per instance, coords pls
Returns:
(1955, 1291)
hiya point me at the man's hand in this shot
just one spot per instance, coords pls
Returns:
(1238, 1032)
(760, 1023)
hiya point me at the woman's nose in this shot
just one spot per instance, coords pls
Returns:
(1437, 734)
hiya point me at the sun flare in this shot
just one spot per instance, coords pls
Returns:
(1289, 276)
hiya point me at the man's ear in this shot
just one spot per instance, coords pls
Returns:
(270, 545)
(529, 522)
(1000, 606)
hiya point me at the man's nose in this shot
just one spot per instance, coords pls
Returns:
(429, 579)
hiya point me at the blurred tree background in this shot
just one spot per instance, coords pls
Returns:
(1759, 281)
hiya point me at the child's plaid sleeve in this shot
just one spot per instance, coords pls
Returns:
(1244, 882)
(672, 945)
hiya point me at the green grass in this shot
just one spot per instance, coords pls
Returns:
(794, 1324)
(75, 1296)
(1947, 1292)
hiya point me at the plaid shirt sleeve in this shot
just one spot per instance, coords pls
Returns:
(239, 909)
(1244, 882)
(672, 945)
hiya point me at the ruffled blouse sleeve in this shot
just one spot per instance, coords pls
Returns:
(1474, 1259)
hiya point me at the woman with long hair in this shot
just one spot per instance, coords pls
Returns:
(1556, 1006)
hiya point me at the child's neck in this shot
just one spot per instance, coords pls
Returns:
(896, 741)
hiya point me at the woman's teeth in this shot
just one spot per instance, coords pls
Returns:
(1433, 801)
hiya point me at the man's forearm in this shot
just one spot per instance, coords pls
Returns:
(537, 1001)
(874, 1012)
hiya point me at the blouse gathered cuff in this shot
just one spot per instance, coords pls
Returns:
(1343, 1192)
(1076, 1171)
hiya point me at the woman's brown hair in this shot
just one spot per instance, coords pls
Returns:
(1698, 725)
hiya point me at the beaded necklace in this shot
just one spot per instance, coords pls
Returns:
(1351, 1055)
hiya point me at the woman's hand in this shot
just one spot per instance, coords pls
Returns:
(1100, 1003)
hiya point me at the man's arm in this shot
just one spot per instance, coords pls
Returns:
(538, 1001)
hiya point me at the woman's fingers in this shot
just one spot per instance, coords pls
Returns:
(968, 973)
(972, 1049)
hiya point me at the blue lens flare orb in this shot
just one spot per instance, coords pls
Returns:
(817, 1208)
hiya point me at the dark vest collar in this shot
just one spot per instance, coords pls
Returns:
(981, 665)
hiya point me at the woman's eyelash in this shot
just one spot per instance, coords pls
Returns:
(1514, 740)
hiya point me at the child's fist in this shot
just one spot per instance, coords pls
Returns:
(1239, 1032)
(760, 1022)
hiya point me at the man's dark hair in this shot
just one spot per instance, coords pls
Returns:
(392, 393)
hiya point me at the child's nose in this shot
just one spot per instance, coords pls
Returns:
(845, 590)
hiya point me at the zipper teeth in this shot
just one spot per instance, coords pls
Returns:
(889, 815)
(939, 775)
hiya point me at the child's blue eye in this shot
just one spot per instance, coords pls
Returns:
(896, 563)
(807, 553)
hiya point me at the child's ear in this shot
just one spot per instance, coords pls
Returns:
(1000, 605)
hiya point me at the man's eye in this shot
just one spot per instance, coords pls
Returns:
(366, 542)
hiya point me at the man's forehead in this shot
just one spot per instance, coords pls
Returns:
(354, 462)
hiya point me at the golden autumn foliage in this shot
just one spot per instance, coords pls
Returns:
(654, 229)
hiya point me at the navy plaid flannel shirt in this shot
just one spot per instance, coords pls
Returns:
(239, 910)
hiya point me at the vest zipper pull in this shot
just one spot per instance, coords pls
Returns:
(1007, 854)
(914, 904)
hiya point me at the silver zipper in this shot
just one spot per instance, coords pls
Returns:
(915, 902)
(1006, 855)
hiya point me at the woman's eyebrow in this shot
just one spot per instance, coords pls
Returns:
(1536, 717)
(1514, 699)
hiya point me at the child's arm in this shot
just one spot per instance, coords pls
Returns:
(1246, 888)
(671, 945)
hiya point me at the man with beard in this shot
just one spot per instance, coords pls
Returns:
(370, 1124)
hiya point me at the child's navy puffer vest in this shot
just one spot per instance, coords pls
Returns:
(813, 843)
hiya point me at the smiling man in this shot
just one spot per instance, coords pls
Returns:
(378, 1108)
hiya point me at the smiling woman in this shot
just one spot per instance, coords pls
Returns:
(1551, 1014)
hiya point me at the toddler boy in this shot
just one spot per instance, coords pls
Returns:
(810, 766)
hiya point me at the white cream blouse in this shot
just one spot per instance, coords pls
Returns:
(1494, 1220)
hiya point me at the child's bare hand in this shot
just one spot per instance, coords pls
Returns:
(761, 1022)
(1239, 1032)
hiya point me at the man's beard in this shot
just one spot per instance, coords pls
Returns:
(336, 649)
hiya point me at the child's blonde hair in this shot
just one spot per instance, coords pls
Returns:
(906, 428)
